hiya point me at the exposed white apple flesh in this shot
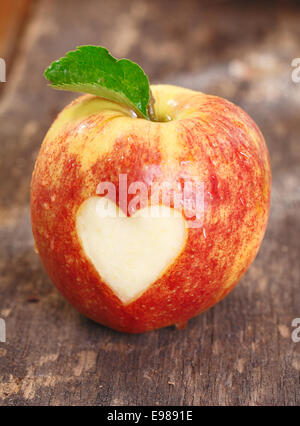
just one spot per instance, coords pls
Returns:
(129, 253)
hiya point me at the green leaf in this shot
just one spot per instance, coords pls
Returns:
(91, 69)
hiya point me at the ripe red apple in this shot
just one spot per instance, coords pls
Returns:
(135, 274)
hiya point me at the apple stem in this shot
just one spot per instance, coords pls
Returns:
(150, 107)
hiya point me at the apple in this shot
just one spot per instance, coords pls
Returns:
(129, 271)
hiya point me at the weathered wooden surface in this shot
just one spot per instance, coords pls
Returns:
(239, 352)
(12, 15)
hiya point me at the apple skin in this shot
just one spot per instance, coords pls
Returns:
(94, 140)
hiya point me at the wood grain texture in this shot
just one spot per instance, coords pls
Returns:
(12, 15)
(238, 353)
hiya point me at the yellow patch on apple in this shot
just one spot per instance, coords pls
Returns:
(129, 253)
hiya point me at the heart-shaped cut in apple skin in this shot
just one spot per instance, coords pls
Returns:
(129, 253)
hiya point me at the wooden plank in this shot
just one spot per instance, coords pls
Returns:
(238, 353)
(12, 17)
